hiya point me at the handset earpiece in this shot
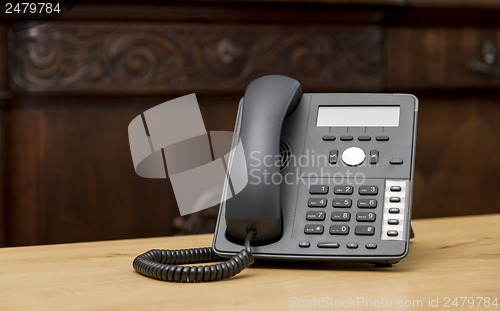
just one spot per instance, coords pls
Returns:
(268, 100)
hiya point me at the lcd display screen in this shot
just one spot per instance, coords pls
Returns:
(358, 116)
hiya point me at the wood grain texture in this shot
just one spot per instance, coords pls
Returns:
(468, 4)
(445, 260)
(71, 177)
(3, 96)
(124, 58)
(3, 62)
(437, 58)
(3, 180)
(457, 156)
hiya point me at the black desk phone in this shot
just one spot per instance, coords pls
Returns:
(330, 178)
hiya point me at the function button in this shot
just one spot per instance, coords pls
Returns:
(343, 189)
(392, 233)
(341, 216)
(394, 210)
(346, 138)
(339, 229)
(396, 161)
(352, 245)
(367, 203)
(328, 138)
(317, 202)
(342, 202)
(373, 156)
(328, 245)
(382, 138)
(394, 199)
(368, 190)
(393, 222)
(315, 215)
(364, 138)
(313, 229)
(353, 156)
(364, 230)
(371, 246)
(365, 216)
(333, 156)
(318, 189)
(395, 188)
(304, 244)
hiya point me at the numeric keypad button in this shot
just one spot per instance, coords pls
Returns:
(365, 216)
(364, 230)
(368, 190)
(318, 189)
(343, 189)
(341, 216)
(367, 203)
(317, 202)
(339, 229)
(313, 229)
(339, 202)
(315, 215)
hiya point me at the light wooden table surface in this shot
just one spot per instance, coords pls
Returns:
(449, 258)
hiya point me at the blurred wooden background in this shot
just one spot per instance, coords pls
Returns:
(69, 88)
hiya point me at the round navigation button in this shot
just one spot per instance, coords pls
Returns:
(353, 156)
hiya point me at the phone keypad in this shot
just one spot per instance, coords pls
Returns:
(342, 202)
(369, 213)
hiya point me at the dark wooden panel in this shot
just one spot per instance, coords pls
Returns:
(3, 96)
(434, 58)
(457, 159)
(3, 61)
(139, 58)
(71, 176)
(244, 12)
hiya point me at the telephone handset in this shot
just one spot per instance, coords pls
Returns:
(329, 178)
(267, 102)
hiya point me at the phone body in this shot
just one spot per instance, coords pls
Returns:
(347, 170)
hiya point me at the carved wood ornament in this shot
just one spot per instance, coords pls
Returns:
(69, 57)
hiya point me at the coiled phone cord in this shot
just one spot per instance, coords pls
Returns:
(163, 264)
